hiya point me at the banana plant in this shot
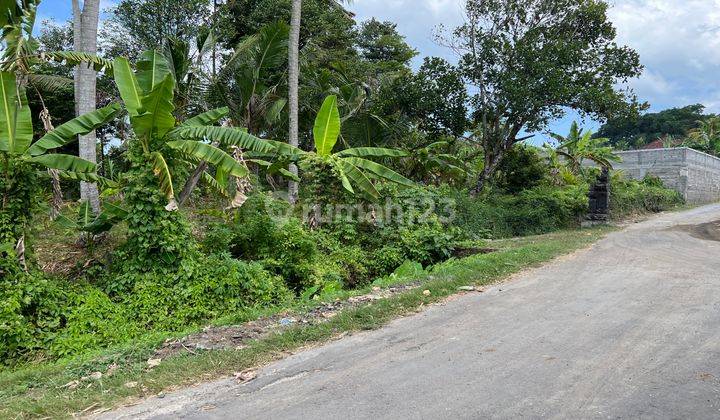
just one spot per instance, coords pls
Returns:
(355, 171)
(579, 145)
(432, 163)
(21, 159)
(16, 133)
(92, 225)
(148, 95)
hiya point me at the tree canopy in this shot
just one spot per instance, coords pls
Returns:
(636, 131)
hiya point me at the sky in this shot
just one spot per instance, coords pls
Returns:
(678, 42)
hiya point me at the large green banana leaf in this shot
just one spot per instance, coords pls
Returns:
(209, 154)
(286, 150)
(152, 70)
(358, 178)
(327, 126)
(65, 163)
(23, 125)
(15, 119)
(379, 170)
(207, 118)
(68, 132)
(128, 86)
(227, 136)
(372, 152)
(158, 107)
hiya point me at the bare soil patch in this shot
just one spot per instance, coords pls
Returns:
(706, 231)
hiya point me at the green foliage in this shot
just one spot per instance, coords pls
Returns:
(537, 210)
(580, 145)
(349, 166)
(649, 195)
(128, 30)
(528, 62)
(435, 97)
(21, 159)
(379, 42)
(31, 311)
(21, 190)
(626, 132)
(283, 246)
(158, 240)
(522, 168)
(40, 314)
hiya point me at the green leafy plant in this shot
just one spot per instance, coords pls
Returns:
(91, 224)
(21, 159)
(579, 146)
(350, 166)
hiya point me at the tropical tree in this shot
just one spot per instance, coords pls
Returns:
(350, 167)
(251, 79)
(434, 163)
(20, 158)
(579, 146)
(148, 95)
(527, 62)
(293, 84)
(161, 147)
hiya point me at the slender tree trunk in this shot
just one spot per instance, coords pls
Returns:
(293, 83)
(85, 22)
(191, 183)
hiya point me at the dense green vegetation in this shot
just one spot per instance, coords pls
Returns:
(40, 391)
(689, 126)
(396, 166)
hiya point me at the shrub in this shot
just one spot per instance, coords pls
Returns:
(522, 168)
(534, 211)
(283, 245)
(649, 195)
(42, 314)
(31, 310)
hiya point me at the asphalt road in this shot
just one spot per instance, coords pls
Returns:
(629, 328)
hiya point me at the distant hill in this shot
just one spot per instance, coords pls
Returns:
(639, 132)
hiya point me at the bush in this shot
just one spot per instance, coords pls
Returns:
(31, 311)
(283, 246)
(534, 211)
(649, 195)
(522, 168)
(42, 314)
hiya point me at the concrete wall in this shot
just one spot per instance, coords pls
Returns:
(693, 174)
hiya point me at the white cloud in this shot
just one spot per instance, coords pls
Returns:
(678, 41)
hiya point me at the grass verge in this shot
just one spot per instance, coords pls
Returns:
(40, 391)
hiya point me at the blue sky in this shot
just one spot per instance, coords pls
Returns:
(678, 41)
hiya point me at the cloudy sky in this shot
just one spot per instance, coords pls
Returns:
(678, 41)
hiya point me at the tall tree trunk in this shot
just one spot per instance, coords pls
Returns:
(85, 23)
(294, 75)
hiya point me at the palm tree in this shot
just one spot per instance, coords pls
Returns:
(85, 23)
